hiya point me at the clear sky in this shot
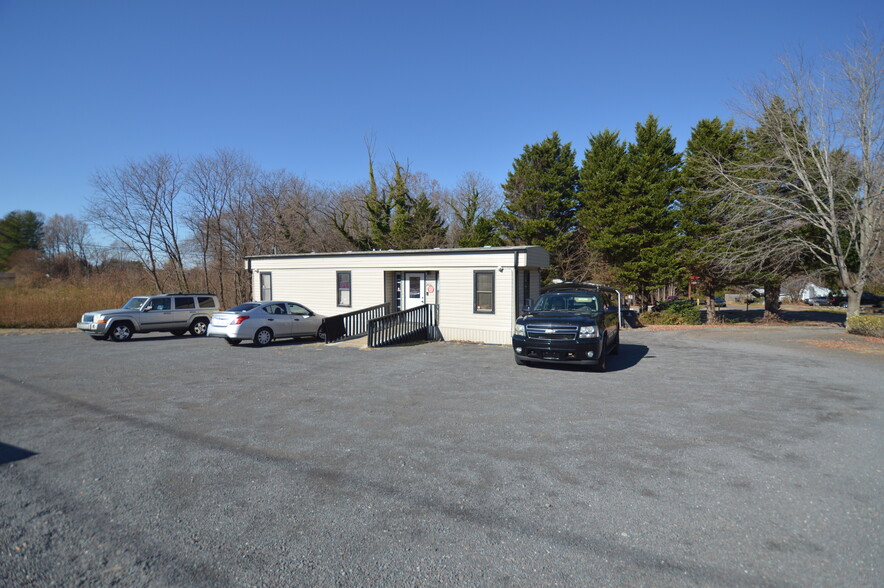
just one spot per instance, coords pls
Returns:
(448, 86)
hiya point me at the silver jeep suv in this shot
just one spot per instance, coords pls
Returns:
(173, 313)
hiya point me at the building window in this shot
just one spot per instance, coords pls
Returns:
(344, 289)
(483, 292)
(266, 286)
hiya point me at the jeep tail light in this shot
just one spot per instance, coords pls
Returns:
(238, 320)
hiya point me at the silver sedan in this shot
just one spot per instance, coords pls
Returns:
(262, 322)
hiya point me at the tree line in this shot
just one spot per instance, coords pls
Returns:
(797, 189)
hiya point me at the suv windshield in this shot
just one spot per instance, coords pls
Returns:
(135, 303)
(576, 302)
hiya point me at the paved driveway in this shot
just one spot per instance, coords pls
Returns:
(720, 457)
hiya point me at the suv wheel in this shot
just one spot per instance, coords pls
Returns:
(263, 337)
(121, 332)
(199, 327)
(602, 365)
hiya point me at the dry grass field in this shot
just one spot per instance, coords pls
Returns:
(61, 304)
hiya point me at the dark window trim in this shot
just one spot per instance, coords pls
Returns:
(476, 274)
(261, 285)
(338, 288)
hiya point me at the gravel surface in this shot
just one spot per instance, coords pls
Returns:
(714, 457)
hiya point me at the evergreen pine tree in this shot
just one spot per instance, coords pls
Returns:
(711, 143)
(540, 198)
(19, 230)
(628, 194)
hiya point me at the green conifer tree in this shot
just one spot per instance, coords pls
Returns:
(20, 229)
(540, 198)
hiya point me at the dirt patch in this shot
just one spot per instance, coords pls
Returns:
(867, 345)
(6, 332)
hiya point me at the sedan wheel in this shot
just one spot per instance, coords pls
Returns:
(263, 336)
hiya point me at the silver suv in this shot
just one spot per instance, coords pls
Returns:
(173, 313)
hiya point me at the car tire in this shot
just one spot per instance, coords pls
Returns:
(179, 332)
(602, 365)
(263, 337)
(615, 349)
(321, 334)
(233, 341)
(199, 327)
(121, 332)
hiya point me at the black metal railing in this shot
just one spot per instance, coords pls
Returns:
(414, 324)
(353, 324)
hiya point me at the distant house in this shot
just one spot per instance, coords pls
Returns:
(811, 290)
(479, 291)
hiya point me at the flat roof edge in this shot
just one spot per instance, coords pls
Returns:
(390, 252)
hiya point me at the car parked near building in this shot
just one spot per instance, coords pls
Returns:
(262, 322)
(571, 323)
(173, 313)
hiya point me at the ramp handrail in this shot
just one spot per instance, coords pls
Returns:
(353, 324)
(415, 324)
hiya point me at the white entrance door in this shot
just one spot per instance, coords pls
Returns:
(414, 291)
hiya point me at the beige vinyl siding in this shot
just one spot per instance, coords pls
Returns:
(457, 321)
(312, 281)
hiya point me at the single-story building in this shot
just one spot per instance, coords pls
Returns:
(479, 291)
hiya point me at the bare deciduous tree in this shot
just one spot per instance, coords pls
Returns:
(137, 204)
(815, 187)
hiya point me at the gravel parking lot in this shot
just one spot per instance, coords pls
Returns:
(711, 457)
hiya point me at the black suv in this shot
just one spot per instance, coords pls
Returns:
(571, 323)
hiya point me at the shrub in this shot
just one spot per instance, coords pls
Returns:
(866, 324)
(674, 312)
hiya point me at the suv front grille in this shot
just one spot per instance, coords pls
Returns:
(552, 332)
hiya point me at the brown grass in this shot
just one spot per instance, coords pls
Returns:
(61, 304)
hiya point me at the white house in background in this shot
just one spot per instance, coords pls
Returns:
(811, 290)
(479, 291)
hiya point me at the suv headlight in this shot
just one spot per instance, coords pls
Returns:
(520, 330)
(589, 331)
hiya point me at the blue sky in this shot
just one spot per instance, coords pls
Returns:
(449, 86)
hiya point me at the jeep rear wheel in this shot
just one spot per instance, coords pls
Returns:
(199, 327)
(121, 332)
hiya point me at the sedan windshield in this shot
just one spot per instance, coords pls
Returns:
(242, 307)
(567, 302)
(135, 303)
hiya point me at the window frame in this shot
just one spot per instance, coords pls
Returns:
(476, 292)
(348, 289)
(269, 288)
